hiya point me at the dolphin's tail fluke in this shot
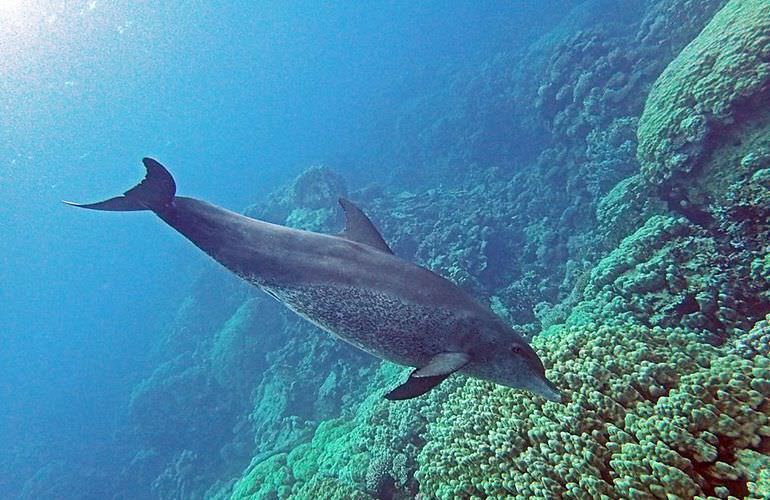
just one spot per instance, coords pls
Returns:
(156, 192)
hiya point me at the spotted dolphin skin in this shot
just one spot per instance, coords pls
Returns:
(352, 286)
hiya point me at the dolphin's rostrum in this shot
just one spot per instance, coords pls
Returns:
(352, 286)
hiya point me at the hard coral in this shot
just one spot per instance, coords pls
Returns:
(648, 412)
(623, 209)
(309, 202)
(369, 453)
(671, 273)
(715, 79)
(757, 340)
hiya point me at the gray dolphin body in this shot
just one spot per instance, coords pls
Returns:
(352, 286)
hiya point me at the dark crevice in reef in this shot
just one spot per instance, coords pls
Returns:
(716, 330)
(725, 453)
(605, 473)
(678, 202)
(387, 488)
(688, 305)
(753, 110)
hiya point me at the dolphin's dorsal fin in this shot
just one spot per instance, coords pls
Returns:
(360, 229)
(429, 376)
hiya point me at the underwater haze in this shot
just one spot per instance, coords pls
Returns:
(594, 172)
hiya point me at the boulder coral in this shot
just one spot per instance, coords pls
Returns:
(716, 82)
(602, 71)
(623, 209)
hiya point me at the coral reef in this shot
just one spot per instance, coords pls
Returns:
(712, 85)
(309, 202)
(624, 208)
(653, 318)
(648, 412)
(757, 340)
(670, 272)
(650, 287)
(371, 452)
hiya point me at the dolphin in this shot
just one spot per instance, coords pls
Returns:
(354, 287)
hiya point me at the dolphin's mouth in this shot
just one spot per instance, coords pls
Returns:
(544, 388)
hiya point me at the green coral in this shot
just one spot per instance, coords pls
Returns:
(331, 488)
(670, 272)
(761, 488)
(324, 453)
(343, 451)
(309, 467)
(270, 478)
(309, 202)
(648, 412)
(706, 88)
(757, 339)
(623, 209)
(318, 220)
(631, 281)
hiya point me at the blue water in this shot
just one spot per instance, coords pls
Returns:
(236, 100)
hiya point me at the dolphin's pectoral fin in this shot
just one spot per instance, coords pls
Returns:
(415, 386)
(429, 376)
(360, 229)
(443, 363)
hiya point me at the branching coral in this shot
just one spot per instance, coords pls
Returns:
(670, 273)
(757, 340)
(648, 412)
